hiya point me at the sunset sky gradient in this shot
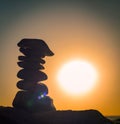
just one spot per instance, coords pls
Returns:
(73, 29)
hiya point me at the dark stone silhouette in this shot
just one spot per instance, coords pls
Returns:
(33, 97)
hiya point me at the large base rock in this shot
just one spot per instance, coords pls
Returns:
(33, 102)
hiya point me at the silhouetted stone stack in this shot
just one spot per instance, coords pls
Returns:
(33, 95)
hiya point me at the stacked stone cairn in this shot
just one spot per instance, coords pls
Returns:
(33, 94)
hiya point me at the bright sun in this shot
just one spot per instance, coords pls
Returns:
(77, 77)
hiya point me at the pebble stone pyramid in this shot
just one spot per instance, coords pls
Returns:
(33, 96)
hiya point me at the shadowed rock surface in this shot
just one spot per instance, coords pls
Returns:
(16, 116)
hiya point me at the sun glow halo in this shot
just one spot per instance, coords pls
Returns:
(77, 77)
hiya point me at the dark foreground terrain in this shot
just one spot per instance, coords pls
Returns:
(9, 115)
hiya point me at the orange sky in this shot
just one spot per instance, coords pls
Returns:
(71, 33)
